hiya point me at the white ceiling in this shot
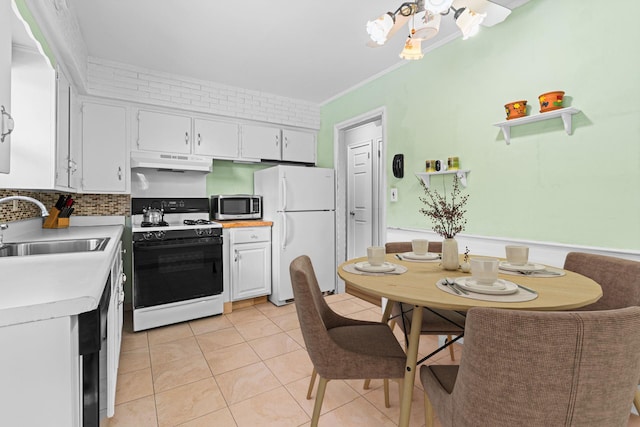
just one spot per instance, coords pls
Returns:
(311, 50)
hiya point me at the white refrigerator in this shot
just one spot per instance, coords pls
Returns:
(301, 203)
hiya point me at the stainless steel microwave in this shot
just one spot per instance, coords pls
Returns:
(236, 206)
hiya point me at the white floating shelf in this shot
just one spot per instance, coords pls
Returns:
(426, 176)
(564, 113)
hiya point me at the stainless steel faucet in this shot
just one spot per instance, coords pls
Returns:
(38, 203)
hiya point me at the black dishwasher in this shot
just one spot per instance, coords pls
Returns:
(92, 340)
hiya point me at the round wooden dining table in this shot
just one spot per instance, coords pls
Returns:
(417, 286)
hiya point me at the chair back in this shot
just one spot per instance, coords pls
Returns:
(399, 247)
(619, 278)
(547, 368)
(314, 314)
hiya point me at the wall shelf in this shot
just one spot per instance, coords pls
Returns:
(426, 176)
(564, 113)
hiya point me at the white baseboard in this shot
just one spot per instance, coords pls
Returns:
(549, 253)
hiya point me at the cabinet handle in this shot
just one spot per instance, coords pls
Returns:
(119, 173)
(235, 259)
(73, 166)
(277, 140)
(199, 138)
(10, 124)
(186, 138)
(124, 278)
(286, 142)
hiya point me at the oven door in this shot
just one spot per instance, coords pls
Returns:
(176, 270)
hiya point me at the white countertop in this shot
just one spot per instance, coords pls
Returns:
(38, 287)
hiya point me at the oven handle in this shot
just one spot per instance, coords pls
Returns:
(158, 245)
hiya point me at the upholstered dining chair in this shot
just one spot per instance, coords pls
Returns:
(619, 279)
(432, 323)
(339, 347)
(526, 368)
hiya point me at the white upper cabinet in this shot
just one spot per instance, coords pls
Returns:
(104, 148)
(5, 85)
(66, 161)
(164, 132)
(219, 140)
(298, 146)
(261, 142)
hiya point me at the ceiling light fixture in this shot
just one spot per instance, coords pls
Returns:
(423, 17)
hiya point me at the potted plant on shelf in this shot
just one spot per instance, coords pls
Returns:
(447, 214)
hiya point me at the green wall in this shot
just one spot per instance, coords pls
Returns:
(546, 186)
(227, 177)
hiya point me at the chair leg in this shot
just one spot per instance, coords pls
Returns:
(322, 386)
(636, 400)
(400, 382)
(453, 357)
(367, 383)
(386, 393)
(311, 382)
(428, 412)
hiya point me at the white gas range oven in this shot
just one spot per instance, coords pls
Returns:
(177, 262)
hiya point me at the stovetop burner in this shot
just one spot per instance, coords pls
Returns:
(197, 222)
(154, 224)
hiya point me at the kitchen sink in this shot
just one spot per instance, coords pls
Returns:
(53, 247)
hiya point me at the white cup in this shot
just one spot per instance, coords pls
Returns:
(517, 255)
(375, 255)
(420, 246)
(484, 270)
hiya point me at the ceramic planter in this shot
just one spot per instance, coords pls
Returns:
(516, 109)
(551, 101)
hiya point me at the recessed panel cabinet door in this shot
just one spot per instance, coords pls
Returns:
(298, 146)
(261, 142)
(219, 140)
(104, 153)
(167, 133)
(5, 83)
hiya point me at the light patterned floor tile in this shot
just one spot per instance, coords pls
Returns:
(244, 315)
(212, 341)
(179, 372)
(243, 383)
(188, 402)
(271, 310)
(275, 408)
(346, 307)
(287, 322)
(137, 413)
(134, 360)
(296, 334)
(134, 341)
(220, 418)
(290, 367)
(174, 350)
(338, 393)
(376, 398)
(356, 413)
(257, 329)
(210, 324)
(134, 385)
(274, 345)
(230, 358)
(169, 333)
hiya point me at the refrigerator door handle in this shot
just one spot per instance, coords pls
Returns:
(284, 230)
(284, 193)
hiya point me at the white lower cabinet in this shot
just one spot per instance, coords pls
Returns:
(250, 259)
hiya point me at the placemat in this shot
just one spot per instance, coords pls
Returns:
(520, 296)
(351, 268)
(536, 274)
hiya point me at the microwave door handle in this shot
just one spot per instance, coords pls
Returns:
(284, 230)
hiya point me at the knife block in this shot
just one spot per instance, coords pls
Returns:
(53, 221)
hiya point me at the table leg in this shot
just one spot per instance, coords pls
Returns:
(410, 368)
(387, 311)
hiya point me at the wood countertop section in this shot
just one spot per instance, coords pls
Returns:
(245, 223)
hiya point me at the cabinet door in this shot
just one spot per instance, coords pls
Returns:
(298, 146)
(5, 82)
(64, 163)
(260, 142)
(250, 268)
(217, 139)
(104, 148)
(164, 132)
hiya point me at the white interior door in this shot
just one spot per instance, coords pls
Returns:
(359, 200)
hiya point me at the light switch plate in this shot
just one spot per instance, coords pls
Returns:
(394, 194)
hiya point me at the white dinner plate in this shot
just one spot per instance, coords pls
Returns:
(500, 287)
(525, 267)
(427, 256)
(384, 268)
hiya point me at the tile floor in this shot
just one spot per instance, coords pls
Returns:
(248, 368)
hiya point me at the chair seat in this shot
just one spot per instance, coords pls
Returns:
(432, 324)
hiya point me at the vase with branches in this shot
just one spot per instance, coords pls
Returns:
(447, 213)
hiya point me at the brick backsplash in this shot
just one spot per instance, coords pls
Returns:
(85, 204)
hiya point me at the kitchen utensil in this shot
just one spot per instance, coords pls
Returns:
(446, 283)
(527, 289)
(60, 203)
(453, 285)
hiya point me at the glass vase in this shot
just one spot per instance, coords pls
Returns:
(450, 259)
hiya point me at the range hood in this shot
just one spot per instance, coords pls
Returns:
(174, 162)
